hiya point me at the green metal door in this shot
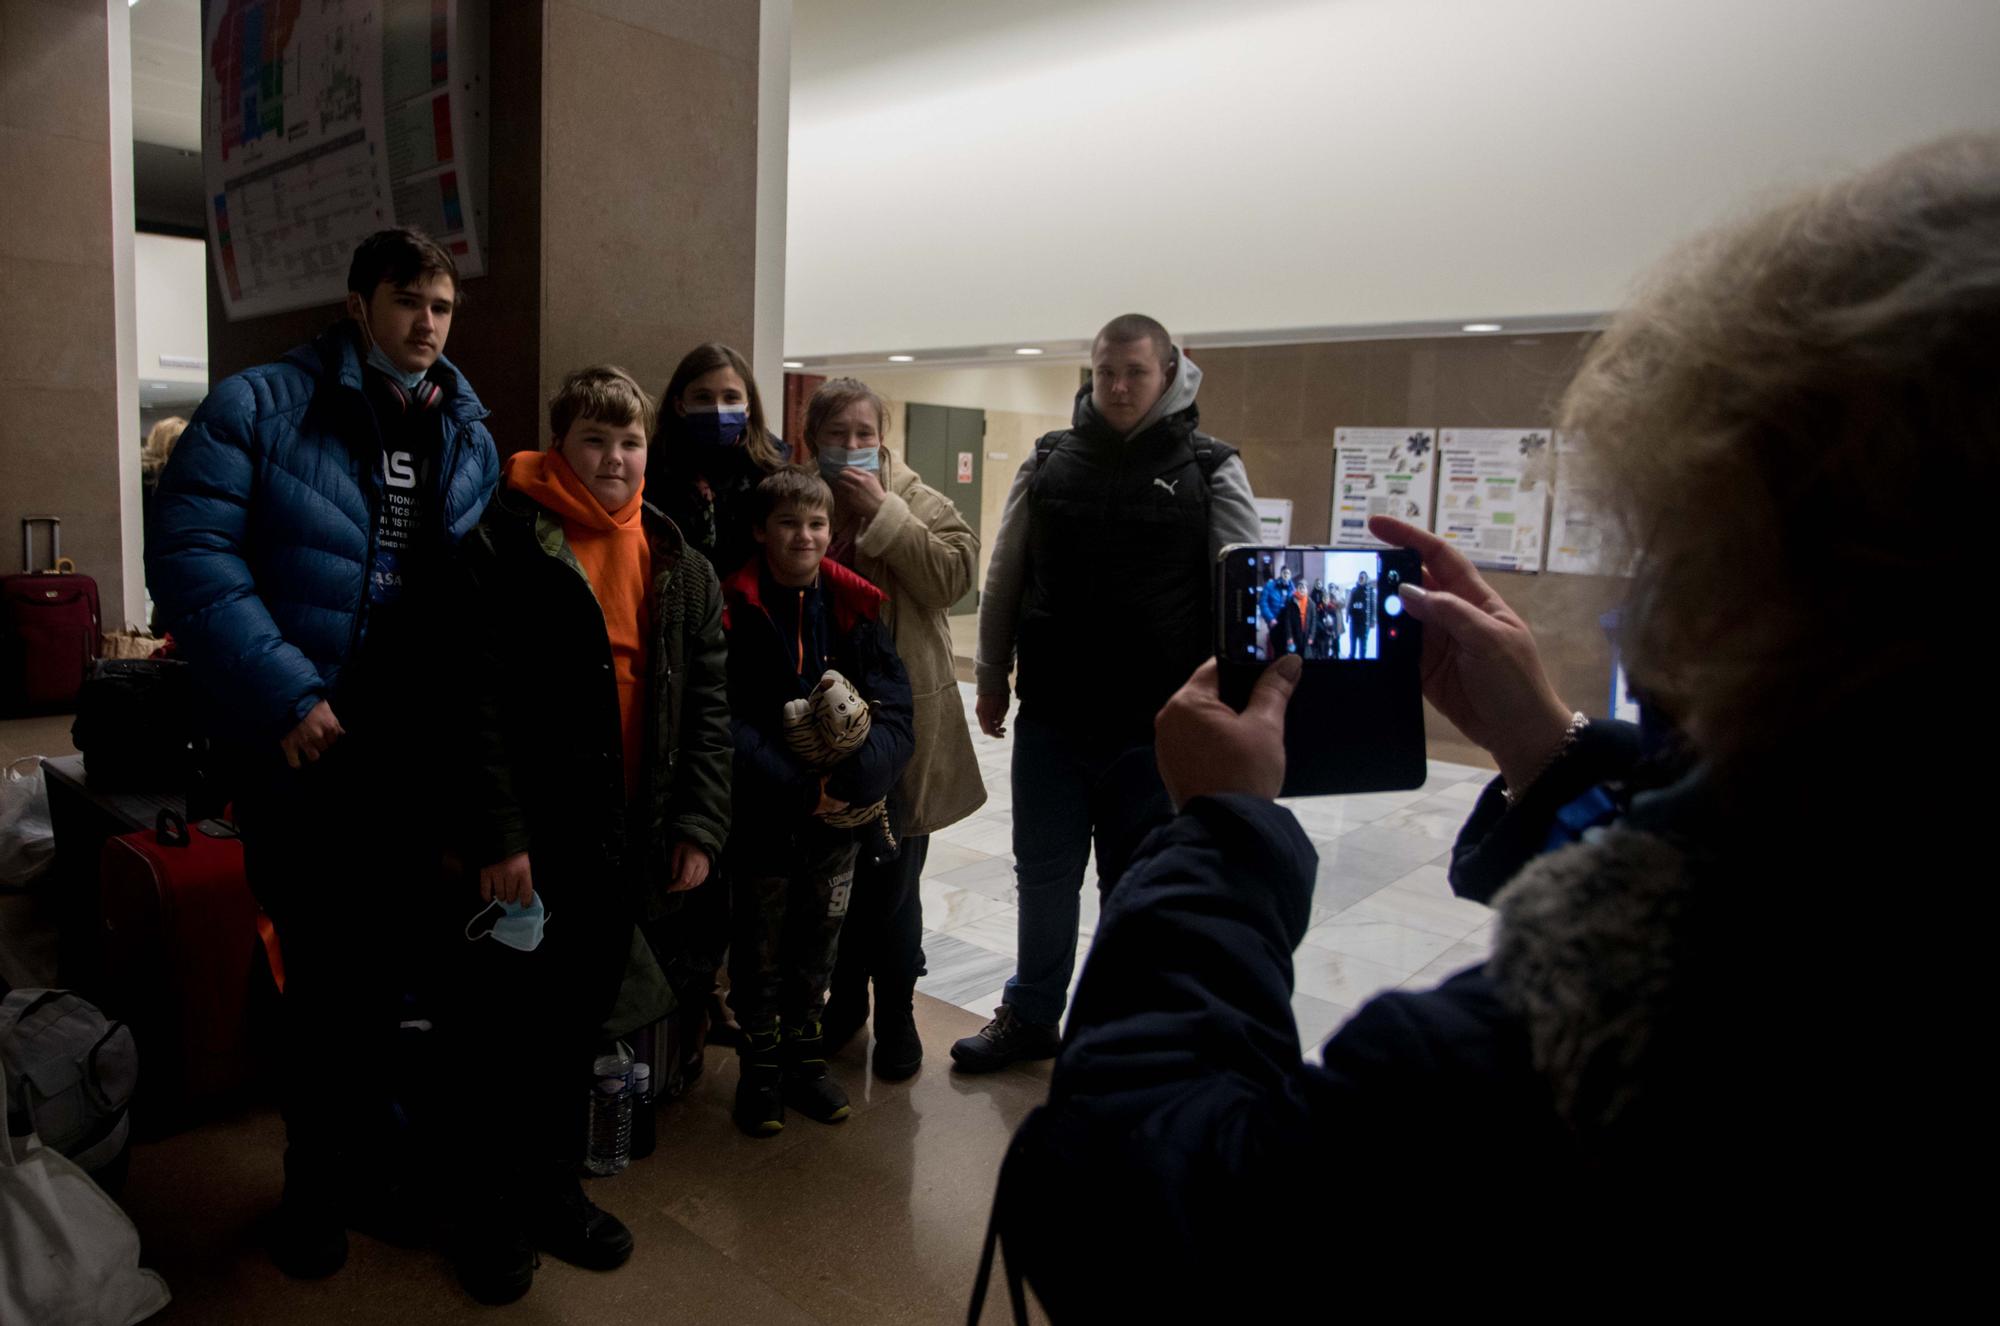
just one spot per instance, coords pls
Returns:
(946, 445)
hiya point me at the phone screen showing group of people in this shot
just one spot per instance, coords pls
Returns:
(1318, 603)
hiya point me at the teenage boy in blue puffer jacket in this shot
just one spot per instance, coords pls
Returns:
(299, 531)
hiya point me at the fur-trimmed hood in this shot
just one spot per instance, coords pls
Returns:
(1592, 952)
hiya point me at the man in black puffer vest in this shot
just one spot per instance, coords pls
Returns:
(1117, 518)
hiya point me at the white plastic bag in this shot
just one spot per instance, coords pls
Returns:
(27, 840)
(67, 1253)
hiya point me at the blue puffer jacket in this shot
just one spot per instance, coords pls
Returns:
(264, 524)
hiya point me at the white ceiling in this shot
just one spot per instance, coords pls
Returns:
(166, 73)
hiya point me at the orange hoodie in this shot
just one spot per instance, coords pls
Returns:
(611, 548)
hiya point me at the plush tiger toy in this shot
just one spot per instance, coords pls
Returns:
(825, 728)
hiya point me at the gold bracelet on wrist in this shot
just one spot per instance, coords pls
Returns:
(1578, 721)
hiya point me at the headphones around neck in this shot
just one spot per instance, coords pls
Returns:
(414, 400)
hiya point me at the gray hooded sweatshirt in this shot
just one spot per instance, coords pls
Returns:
(1232, 518)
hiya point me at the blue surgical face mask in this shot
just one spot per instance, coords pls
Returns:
(832, 460)
(516, 926)
(717, 425)
(381, 362)
(378, 360)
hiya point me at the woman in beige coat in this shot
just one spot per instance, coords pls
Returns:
(909, 539)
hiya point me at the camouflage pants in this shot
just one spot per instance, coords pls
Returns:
(787, 902)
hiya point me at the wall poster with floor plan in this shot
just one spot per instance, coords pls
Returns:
(1493, 494)
(1380, 472)
(324, 120)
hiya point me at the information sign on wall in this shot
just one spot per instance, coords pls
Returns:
(1576, 528)
(1493, 494)
(1380, 472)
(323, 122)
(1274, 521)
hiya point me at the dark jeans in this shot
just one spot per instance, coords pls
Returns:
(345, 880)
(1071, 785)
(1357, 638)
(884, 935)
(789, 895)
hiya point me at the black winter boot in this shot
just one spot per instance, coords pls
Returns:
(307, 1238)
(898, 1051)
(1005, 1040)
(809, 1087)
(307, 1234)
(492, 1252)
(567, 1225)
(760, 1092)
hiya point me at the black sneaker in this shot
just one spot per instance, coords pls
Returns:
(308, 1239)
(760, 1094)
(569, 1226)
(809, 1087)
(1007, 1039)
(496, 1262)
(898, 1051)
(846, 1014)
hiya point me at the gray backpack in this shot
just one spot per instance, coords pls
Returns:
(70, 1075)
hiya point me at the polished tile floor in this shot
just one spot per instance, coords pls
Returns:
(878, 1220)
(1383, 915)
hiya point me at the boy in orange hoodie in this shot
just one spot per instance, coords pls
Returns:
(597, 749)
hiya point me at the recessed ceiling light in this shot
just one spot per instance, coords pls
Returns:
(1029, 350)
(902, 359)
(795, 363)
(1481, 326)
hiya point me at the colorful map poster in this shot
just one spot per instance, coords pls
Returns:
(1380, 472)
(1493, 494)
(1576, 529)
(325, 120)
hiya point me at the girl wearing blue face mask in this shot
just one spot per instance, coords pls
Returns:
(910, 540)
(711, 451)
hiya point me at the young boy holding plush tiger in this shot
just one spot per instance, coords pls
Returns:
(807, 652)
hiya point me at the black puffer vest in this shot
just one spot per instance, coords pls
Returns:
(1117, 610)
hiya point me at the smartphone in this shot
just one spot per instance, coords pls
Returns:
(1356, 721)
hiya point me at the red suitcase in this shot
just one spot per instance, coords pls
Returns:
(183, 949)
(50, 628)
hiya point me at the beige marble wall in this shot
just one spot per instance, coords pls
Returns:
(649, 182)
(61, 435)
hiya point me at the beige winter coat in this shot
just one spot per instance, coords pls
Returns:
(921, 553)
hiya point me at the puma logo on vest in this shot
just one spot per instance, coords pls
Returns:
(1170, 487)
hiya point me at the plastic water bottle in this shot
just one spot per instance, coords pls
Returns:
(644, 1138)
(610, 1148)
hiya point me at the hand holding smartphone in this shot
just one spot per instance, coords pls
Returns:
(1356, 721)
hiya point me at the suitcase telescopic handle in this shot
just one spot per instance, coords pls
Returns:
(28, 524)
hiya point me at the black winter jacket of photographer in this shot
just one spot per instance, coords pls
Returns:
(1615, 1093)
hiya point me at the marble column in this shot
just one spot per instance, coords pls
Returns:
(69, 430)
